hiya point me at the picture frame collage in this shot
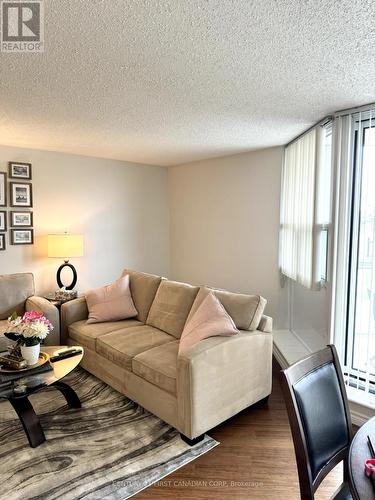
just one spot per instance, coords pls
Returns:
(16, 188)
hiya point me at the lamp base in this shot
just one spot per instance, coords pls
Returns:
(58, 276)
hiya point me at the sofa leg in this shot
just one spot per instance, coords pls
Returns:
(260, 403)
(192, 442)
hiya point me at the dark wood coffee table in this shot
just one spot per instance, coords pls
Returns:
(38, 382)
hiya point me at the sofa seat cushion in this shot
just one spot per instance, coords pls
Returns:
(86, 334)
(122, 346)
(171, 306)
(159, 366)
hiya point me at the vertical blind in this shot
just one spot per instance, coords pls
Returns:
(299, 233)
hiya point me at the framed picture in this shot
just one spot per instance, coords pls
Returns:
(3, 189)
(20, 219)
(2, 242)
(21, 194)
(20, 170)
(21, 236)
(3, 220)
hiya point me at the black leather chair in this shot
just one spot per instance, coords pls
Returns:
(320, 420)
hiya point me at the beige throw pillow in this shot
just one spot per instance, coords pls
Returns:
(210, 319)
(110, 303)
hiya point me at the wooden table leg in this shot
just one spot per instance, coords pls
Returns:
(29, 420)
(70, 395)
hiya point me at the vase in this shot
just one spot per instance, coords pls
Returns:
(30, 354)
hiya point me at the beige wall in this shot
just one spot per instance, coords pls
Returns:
(213, 222)
(120, 208)
(224, 216)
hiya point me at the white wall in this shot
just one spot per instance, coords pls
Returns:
(224, 216)
(120, 208)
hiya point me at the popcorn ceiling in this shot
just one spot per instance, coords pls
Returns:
(169, 82)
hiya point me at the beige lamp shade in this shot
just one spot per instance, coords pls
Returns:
(65, 245)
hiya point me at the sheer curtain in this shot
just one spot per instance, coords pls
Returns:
(300, 229)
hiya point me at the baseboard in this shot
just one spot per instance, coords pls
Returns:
(360, 412)
(358, 418)
(279, 357)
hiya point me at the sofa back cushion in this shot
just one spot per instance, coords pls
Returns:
(245, 310)
(143, 289)
(171, 306)
(14, 290)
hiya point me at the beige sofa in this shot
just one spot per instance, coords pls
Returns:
(17, 295)
(193, 392)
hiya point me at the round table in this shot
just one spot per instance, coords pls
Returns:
(360, 485)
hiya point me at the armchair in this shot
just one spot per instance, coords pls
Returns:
(17, 294)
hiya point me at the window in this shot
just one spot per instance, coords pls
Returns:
(353, 299)
(359, 358)
(306, 207)
(324, 199)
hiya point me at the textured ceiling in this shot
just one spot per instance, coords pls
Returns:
(166, 82)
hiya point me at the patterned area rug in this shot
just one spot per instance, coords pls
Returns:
(111, 448)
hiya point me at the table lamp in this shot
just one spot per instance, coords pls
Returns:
(65, 246)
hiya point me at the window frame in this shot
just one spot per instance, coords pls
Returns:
(355, 377)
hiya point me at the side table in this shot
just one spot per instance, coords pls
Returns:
(57, 303)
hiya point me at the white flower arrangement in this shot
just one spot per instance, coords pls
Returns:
(28, 329)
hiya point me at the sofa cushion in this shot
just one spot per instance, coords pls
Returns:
(122, 346)
(3, 325)
(171, 306)
(86, 334)
(159, 366)
(111, 302)
(4, 342)
(14, 290)
(143, 288)
(209, 320)
(245, 310)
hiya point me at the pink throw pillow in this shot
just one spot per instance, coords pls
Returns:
(110, 303)
(209, 319)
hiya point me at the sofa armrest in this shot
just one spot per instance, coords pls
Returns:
(266, 324)
(51, 312)
(72, 311)
(220, 376)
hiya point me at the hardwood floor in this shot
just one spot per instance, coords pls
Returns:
(255, 460)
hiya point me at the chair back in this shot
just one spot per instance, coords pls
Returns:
(14, 290)
(319, 417)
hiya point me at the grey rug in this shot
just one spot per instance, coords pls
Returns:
(110, 449)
